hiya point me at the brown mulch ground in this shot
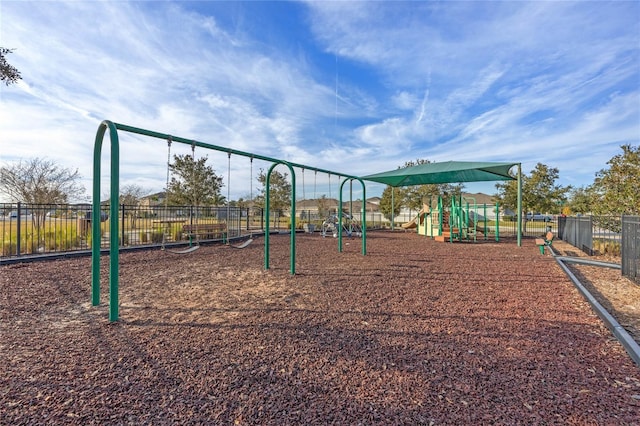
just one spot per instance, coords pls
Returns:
(416, 332)
(618, 295)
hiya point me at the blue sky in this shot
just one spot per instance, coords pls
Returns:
(355, 87)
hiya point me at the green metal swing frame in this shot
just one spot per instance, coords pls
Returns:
(114, 252)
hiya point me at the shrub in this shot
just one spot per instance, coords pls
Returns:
(609, 247)
(9, 248)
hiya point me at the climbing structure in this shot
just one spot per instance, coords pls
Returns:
(462, 219)
(350, 226)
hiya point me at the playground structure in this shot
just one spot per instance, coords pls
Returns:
(461, 220)
(415, 175)
(350, 226)
(114, 192)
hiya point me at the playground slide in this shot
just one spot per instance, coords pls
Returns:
(414, 222)
(411, 225)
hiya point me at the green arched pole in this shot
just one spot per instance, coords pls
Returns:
(114, 203)
(113, 220)
(519, 202)
(363, 212)
(293, 217)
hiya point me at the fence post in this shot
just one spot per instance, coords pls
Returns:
(19, 229)
(122, 233)
(630, 247)
(262, 213)
(498, 222)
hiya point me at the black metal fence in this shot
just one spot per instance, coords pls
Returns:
(33, 229)
(617, 236)
(28, 229)
(631, 247)
(593, 235)
(507, 226)
(577, 231)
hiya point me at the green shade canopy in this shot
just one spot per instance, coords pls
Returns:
(446, 172)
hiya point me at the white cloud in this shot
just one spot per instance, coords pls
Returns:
(380, 83)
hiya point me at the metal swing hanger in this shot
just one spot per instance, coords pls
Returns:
(166, 205)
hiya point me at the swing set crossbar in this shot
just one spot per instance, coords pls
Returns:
(192, 142)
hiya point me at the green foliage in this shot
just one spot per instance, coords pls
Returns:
(157, 237)
(616, 189)
(386, 205)
(608, 222)
(176, 232)
(580, 200)
(194, 183)
(280, 191)
(242, 202)
(9, 248)
(540, 193)
(608, 247)
(323, 206)
(61, 239)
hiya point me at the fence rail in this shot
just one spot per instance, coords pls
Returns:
(617, 236)
(33, 229)
(592, 234)
(29, 229)
(38, 229)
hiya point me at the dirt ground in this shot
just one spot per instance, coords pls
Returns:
(619, 295)
(415, 332)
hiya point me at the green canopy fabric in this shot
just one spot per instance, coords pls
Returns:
(446, 172)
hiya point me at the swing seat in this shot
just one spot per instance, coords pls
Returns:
(185, 251)
(243, 245)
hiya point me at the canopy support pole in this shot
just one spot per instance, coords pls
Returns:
(519, 202)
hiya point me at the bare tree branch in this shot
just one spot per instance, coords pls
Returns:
(40, 181)
(8, 73)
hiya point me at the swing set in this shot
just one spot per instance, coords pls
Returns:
(194, 228)
(114, 266)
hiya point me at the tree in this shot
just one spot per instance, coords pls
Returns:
(242, 202)
(540, 193)
(615, 190)
(386, 206)
(8, 73)
(323, 206)
(580, 200)
(40, 181)
(194, 183)
(280, 191)
(130, 195)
